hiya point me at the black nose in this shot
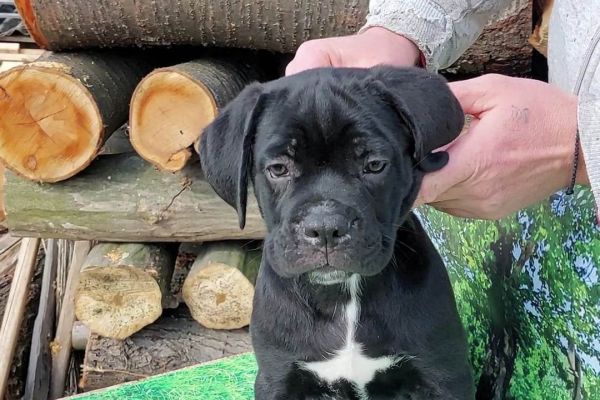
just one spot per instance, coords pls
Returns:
(327, 230)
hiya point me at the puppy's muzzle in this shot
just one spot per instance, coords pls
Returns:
(324, 230)
(327, 226)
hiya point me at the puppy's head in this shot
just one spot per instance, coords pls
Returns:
(336, 158)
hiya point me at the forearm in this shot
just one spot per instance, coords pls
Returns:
(442, 29)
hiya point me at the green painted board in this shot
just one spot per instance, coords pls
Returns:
(230, 378)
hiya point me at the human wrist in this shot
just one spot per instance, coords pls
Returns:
(407, 49)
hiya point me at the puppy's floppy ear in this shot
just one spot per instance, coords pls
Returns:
(426, 105)
(226, 147)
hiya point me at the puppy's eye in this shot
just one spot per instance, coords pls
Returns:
(278, 170)
(374, 167)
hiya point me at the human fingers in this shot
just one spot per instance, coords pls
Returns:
(474, 94)
(459, 169)
(310, 55)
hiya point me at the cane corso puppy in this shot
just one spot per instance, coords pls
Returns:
(352, 299)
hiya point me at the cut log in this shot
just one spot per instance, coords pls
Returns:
(123, 198)
(266, 24)
(121, 287)
(173, 342)
(57, 112)
(171, 107)
(220, 286)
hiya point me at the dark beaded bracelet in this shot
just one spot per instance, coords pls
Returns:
(571, 187)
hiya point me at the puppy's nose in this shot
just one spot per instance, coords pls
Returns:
(326, 229)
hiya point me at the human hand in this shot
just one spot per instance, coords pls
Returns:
(518, 149)
(372, 47)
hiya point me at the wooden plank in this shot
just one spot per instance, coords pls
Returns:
(32, 52)
(15, 307)
(37, 384)
(2, 169)
(10, 47)
(6, 65)
(19, 57)
(61, 346)
(9, 251)
(17, 39)
(123, 198)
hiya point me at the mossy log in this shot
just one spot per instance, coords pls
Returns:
(172, 105)
(220, 285)
(57, 112)
(174, 341)
(121, 287)
(122, 198)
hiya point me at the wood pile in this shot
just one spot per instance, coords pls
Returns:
(97, 136)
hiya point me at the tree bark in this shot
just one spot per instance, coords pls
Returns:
(66, 105)
(220, 285)
(172, 105)
(121, 287)
(264, 24)
(576, 371)
(277, 25)
(173, 342)
(502, 48)
(123, 198)
(499, 363)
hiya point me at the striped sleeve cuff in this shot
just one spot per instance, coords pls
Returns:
(421, 21)
(588, 114)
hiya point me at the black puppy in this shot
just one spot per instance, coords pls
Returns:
(352, 300)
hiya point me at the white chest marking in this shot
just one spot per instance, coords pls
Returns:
(349, 362)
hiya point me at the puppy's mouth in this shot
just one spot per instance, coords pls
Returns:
(327, 275)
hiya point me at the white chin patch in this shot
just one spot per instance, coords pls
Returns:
(331, 277)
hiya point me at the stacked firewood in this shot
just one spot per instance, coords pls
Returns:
(98, 136)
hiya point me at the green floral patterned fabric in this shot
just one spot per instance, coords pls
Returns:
(528, 292)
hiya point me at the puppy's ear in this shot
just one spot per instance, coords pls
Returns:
(226, 147)
(426, 105)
